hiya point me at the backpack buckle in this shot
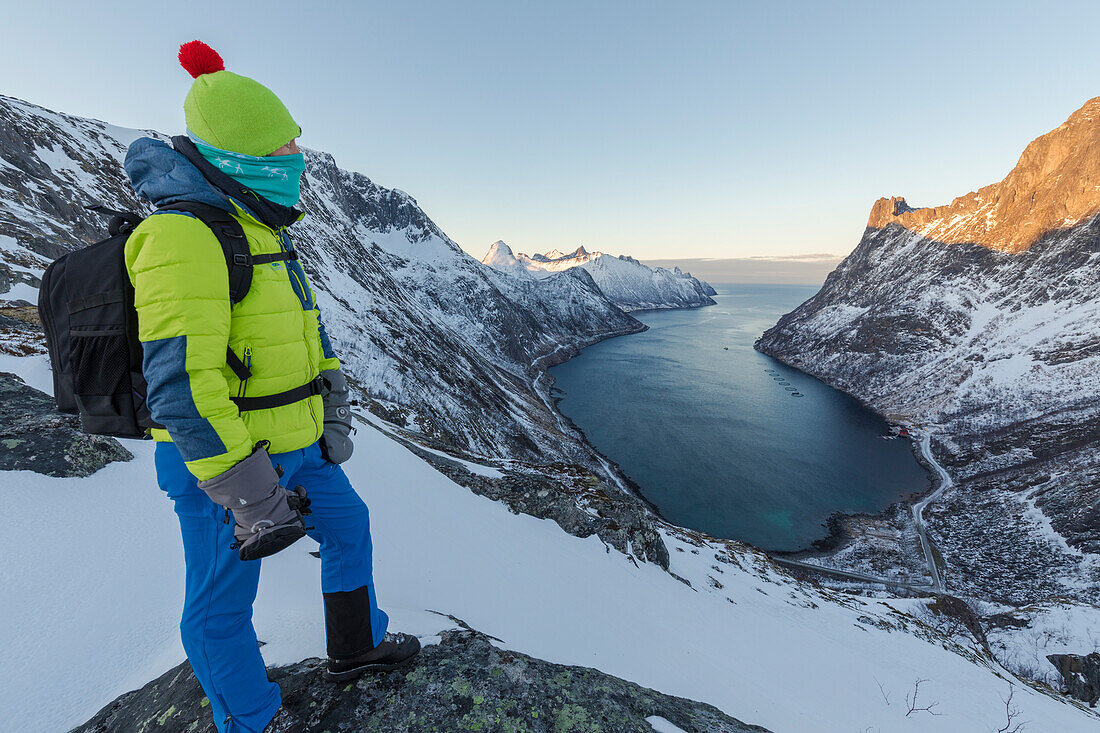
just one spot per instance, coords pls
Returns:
(241, 259)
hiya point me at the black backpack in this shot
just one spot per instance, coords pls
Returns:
(86, 303)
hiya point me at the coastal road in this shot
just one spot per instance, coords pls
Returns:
(850, 575)
(945, 482)
(918, 508)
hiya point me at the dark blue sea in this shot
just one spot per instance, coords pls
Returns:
(726, 440)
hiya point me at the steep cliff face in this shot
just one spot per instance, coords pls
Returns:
(428, 332)
(627, 282)
(1053, 186)
(983, 318)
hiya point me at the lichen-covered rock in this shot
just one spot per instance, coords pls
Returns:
(1081, 673)
(464, 683)
(34, 436)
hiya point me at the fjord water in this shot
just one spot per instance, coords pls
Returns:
(717, 442)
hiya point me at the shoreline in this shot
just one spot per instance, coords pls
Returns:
(839, 537)
(835, 536)
(542, 366)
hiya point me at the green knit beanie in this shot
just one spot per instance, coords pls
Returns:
(230, 111)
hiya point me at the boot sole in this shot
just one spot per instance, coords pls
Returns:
(351, 674)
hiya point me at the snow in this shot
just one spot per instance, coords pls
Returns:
(628, 283)
(94, 578)
(474, 468)
(1054, 628)
(91, 577)
(21, 291)
(661, 725)
(984, 344)
(34, 370)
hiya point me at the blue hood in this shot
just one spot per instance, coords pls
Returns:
(162, 176)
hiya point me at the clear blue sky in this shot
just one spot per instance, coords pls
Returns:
(662, 130)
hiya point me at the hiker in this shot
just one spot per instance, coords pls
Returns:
(254, 406)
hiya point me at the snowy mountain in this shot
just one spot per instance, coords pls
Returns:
(460, 458)
(982, 318)
(426, 330)
(626, 282)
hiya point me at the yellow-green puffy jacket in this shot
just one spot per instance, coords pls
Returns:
(185, 320)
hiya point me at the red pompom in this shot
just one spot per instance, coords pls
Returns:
(199, 59)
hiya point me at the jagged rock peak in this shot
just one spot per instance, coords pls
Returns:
(498, 250)
(1055, 185)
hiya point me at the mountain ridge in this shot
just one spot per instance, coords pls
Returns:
(359, 240)
(994, 343)
(628, 283)
(1055, 184)
(451, 351)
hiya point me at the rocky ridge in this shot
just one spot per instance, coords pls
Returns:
(35, 437)
(1053, 186)
(425, 328)
(452, 350)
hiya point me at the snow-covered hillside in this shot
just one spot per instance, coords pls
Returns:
(994, 342)
(626, 282)
(92, 608)
(450, 352)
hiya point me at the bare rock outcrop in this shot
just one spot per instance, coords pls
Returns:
(462, 683)
(1055, 185)
(1081, 673)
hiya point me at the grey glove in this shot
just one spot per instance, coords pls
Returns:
(268, 517)
(336, 445)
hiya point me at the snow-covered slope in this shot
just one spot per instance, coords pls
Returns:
(626, 282)
(91, 609)
(992, 336)
(91, 575)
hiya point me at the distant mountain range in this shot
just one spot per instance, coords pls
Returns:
(627, 282)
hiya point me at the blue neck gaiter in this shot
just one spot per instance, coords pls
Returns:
(275, 177)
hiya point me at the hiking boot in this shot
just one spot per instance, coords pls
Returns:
(396, 650)
(285, 722)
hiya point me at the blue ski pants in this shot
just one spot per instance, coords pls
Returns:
(217, 627)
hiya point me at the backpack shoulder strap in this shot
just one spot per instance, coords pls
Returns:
(238, 259)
